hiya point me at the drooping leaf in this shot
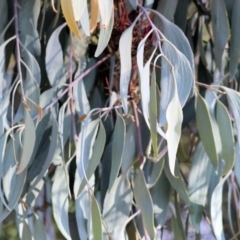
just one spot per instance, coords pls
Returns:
(160, 194)
(144, 202)
(174, 117)
(84, 145)
(39, 231)
(227, 137)
(96, 156)
(105, 34)
(60, 201)
(96, 220)
(183, 76)
(216, 209)
(206, 132)
(117, 205)
(28, 142)
(54, 57)
(105, 10)
(125, 46)
(26, 233)
(94, 15)
(234, 104)
(28, 20)
(119, 135)
(167, 8)
(235, 39)
(199, 176)
(69, 14)
(177, 182)
(47, 161)
(153, 114)
(220, 29)
(78, 8)
(134, 3)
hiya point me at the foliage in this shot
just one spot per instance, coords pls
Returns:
(120, 119)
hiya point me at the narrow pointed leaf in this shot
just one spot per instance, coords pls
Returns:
(235, 39)
(216, 209)
(28, 142)
(220, 29)
(205, 126)
(104, 36)
(119, 135)
(96, 156)
(144, 202)
(68, 12)
(105, 9)
(60, 201)
(96, 220)
(227, 137)
(125, 46)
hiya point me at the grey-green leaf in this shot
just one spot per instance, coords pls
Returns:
(119, 135)
(144, 202)
(205, 127)
(235, 39)
(96, 156)
(199, 176)
(96, 220)
(227, 137)
(28, 142)
(220, 29)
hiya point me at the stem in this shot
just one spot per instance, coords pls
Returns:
(73, 83)
(70, 93)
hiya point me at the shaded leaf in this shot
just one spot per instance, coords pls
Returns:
(26, 233)
(39, 231)
(167, 8)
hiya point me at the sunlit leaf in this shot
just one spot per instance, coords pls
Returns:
(105, 34)
(94, 15)
(105, 10)
(69, 14)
